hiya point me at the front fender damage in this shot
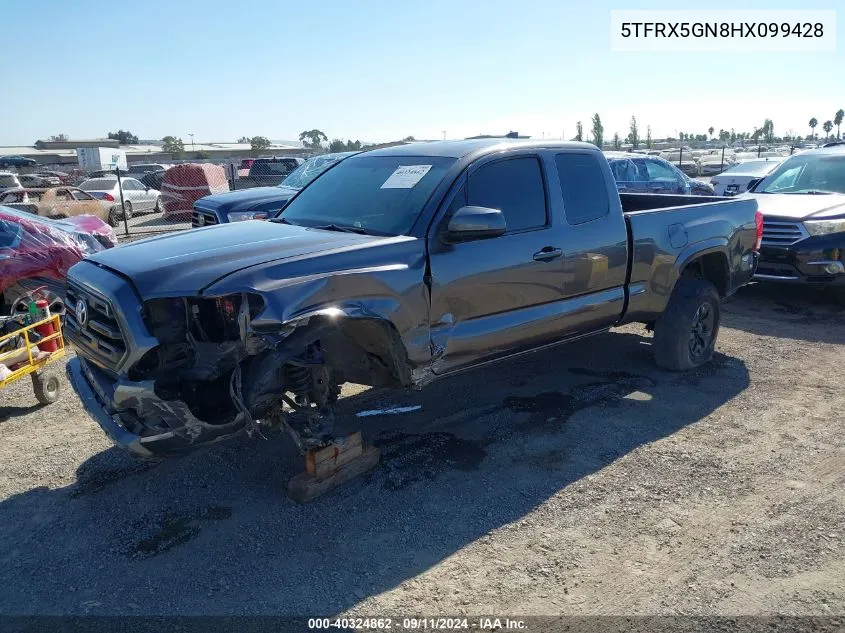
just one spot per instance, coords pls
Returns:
(214, 375)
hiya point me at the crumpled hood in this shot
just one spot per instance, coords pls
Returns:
(184, 263)
(245, 199)
(799, 206)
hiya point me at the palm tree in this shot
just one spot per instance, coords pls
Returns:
(837, 121)
(827, 127)
(813, 124)
(710, 130)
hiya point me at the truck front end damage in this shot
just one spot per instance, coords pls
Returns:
(167, 375)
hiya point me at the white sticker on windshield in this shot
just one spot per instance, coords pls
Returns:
(406, 176)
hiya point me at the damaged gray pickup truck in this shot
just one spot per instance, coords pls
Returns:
(393, 268)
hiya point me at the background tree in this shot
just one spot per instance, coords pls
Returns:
(634, 135)
(710, 131)
(813, 123)
(409, 139)
(336, 145)
(768, 130)
(172, 145)
(617, 143)
(202, 155)
(259, 143)
(354, 146)
(579, 132)
(598, 131)
(837, 121)
(124, 137)
(243, 139)
(827, 127)
(680, 136)
(313, 139)
(648, 136)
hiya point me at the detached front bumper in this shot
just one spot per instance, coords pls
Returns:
(137, 420)
(818, 261)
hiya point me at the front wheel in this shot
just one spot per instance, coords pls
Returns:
(685, 334)
(159, 208)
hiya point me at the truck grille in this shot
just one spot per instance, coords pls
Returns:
(99, 336)
(782, 233)
(203, 218)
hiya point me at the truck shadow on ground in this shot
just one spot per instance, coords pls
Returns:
(483, 450)
(785, 311)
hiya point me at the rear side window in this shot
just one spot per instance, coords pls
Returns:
(583, 186)
(515, 187)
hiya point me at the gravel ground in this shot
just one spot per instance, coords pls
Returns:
(579, 481)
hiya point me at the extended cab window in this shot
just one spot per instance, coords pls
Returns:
(515, 187)
(583, 187)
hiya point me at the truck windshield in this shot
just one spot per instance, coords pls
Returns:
(811, 173)
(308, 171)
(382, 194)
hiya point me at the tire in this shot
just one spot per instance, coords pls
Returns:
(158, 207)
(46, 387)
(685, 334)
(127, 210)
(114, 220)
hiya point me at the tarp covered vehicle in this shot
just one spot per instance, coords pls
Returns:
(185, 184)
(38, 251)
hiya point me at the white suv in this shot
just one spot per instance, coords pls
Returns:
(8, 180)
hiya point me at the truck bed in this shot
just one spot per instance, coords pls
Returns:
(642, 202)
(659, 248)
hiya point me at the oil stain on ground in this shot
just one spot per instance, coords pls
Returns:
(170, 529)
(555, 407)
(407, 458)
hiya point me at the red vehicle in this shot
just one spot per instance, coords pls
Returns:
(185, 184)
(37, 251)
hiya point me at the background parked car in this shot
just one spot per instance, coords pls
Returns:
(38, 251)
(260, 203)
(153, 179)
(737, 178)
(38, 180)
(803, 205)
(636, 173)
(13, 160)
(55, 202)
(8, 180)
(136, 170)
(272, 171)
(64, 177)
(137, 197)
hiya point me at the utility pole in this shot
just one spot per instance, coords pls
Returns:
(192, 141)
(444, 135)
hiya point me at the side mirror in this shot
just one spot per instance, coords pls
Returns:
(753, 184)
(475, 223)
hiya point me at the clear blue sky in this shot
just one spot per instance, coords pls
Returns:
(379, 70)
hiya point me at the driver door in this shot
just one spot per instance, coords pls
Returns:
(497, 296)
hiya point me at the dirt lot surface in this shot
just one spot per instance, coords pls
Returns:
(580, 481)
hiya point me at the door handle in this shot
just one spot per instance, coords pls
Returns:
(547, 254)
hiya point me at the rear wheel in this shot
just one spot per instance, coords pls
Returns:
(158, 207)
(685, 335)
